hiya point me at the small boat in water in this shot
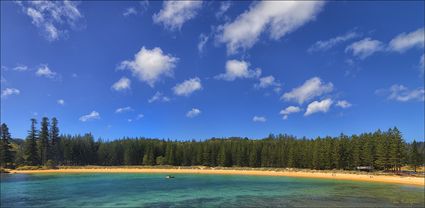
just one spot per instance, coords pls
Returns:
(169, 176)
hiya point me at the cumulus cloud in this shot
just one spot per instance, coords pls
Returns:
(188, 87)
(402, 93)
(259, 119)
(9, 91)
(323, 45)
(20, 68)
(224, 6)
(45, 71)
(404, 41)
(61, 102)
(193, 113)
(365, 47)
(289, 110)
(150, 65)
(278, 18)
(91, 116)
(268, 81)
(129, 11)
(53, 17)
(343, 104)
(140, 116)
(175, 13)
(318, 106)
(158, 97)
(202, 41)
(238, 69)
(122, 84)
(311, 88)
(124, 109)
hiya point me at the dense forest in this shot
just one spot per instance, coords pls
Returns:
(382, 150)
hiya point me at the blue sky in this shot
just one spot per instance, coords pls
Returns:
(195, 70)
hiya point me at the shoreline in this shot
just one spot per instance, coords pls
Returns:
(364, 177)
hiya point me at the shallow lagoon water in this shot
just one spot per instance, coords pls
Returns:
(188, 190)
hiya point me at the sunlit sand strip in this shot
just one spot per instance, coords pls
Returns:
(417, 181)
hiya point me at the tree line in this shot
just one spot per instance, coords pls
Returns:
(382, 150)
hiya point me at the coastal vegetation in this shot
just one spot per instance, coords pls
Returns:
(382, 150)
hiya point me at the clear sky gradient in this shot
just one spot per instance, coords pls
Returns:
(196, 70)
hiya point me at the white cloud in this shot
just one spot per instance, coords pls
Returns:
(238, 69)
(193, 113)
(175, 13)
(311, 88)
(61, 102)
(20, 68)
(202, 41)
(91, 116)
(365, 47)
(140, 116)
(158, 97)
(224, 6)
(404, 41)
(403, 94)
(268, 81)
(259, 119)
(150, 65)
(124, 109)
(289, 110)
(44, 71)
(278, 18)
(316, 106)
(9, 91)
(343, 104)
(323, 45)
(53, 17)
(144, 4)
(129, 11)
(188, 87)
(122, 84)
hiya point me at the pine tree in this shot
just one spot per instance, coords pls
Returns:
(31, 153)
(149, 157)
(367, 152)
(170, 154)
(223, 157)
(6, 156)
(382, 150)
(396, 151)
(253, 156)
(415, 156)
(43, 145)
(55, 141)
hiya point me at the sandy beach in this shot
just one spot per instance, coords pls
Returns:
(417, 181)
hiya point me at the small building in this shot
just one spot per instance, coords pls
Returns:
(364, 168)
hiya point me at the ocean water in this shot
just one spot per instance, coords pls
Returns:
(186, 190)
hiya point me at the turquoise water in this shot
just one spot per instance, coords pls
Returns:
(185, 190)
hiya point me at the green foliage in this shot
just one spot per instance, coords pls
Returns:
(416, 157)
(160, 160)
(50, 164)
(382, 150)
(6, 154)
(30, 150)
(43, 142)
